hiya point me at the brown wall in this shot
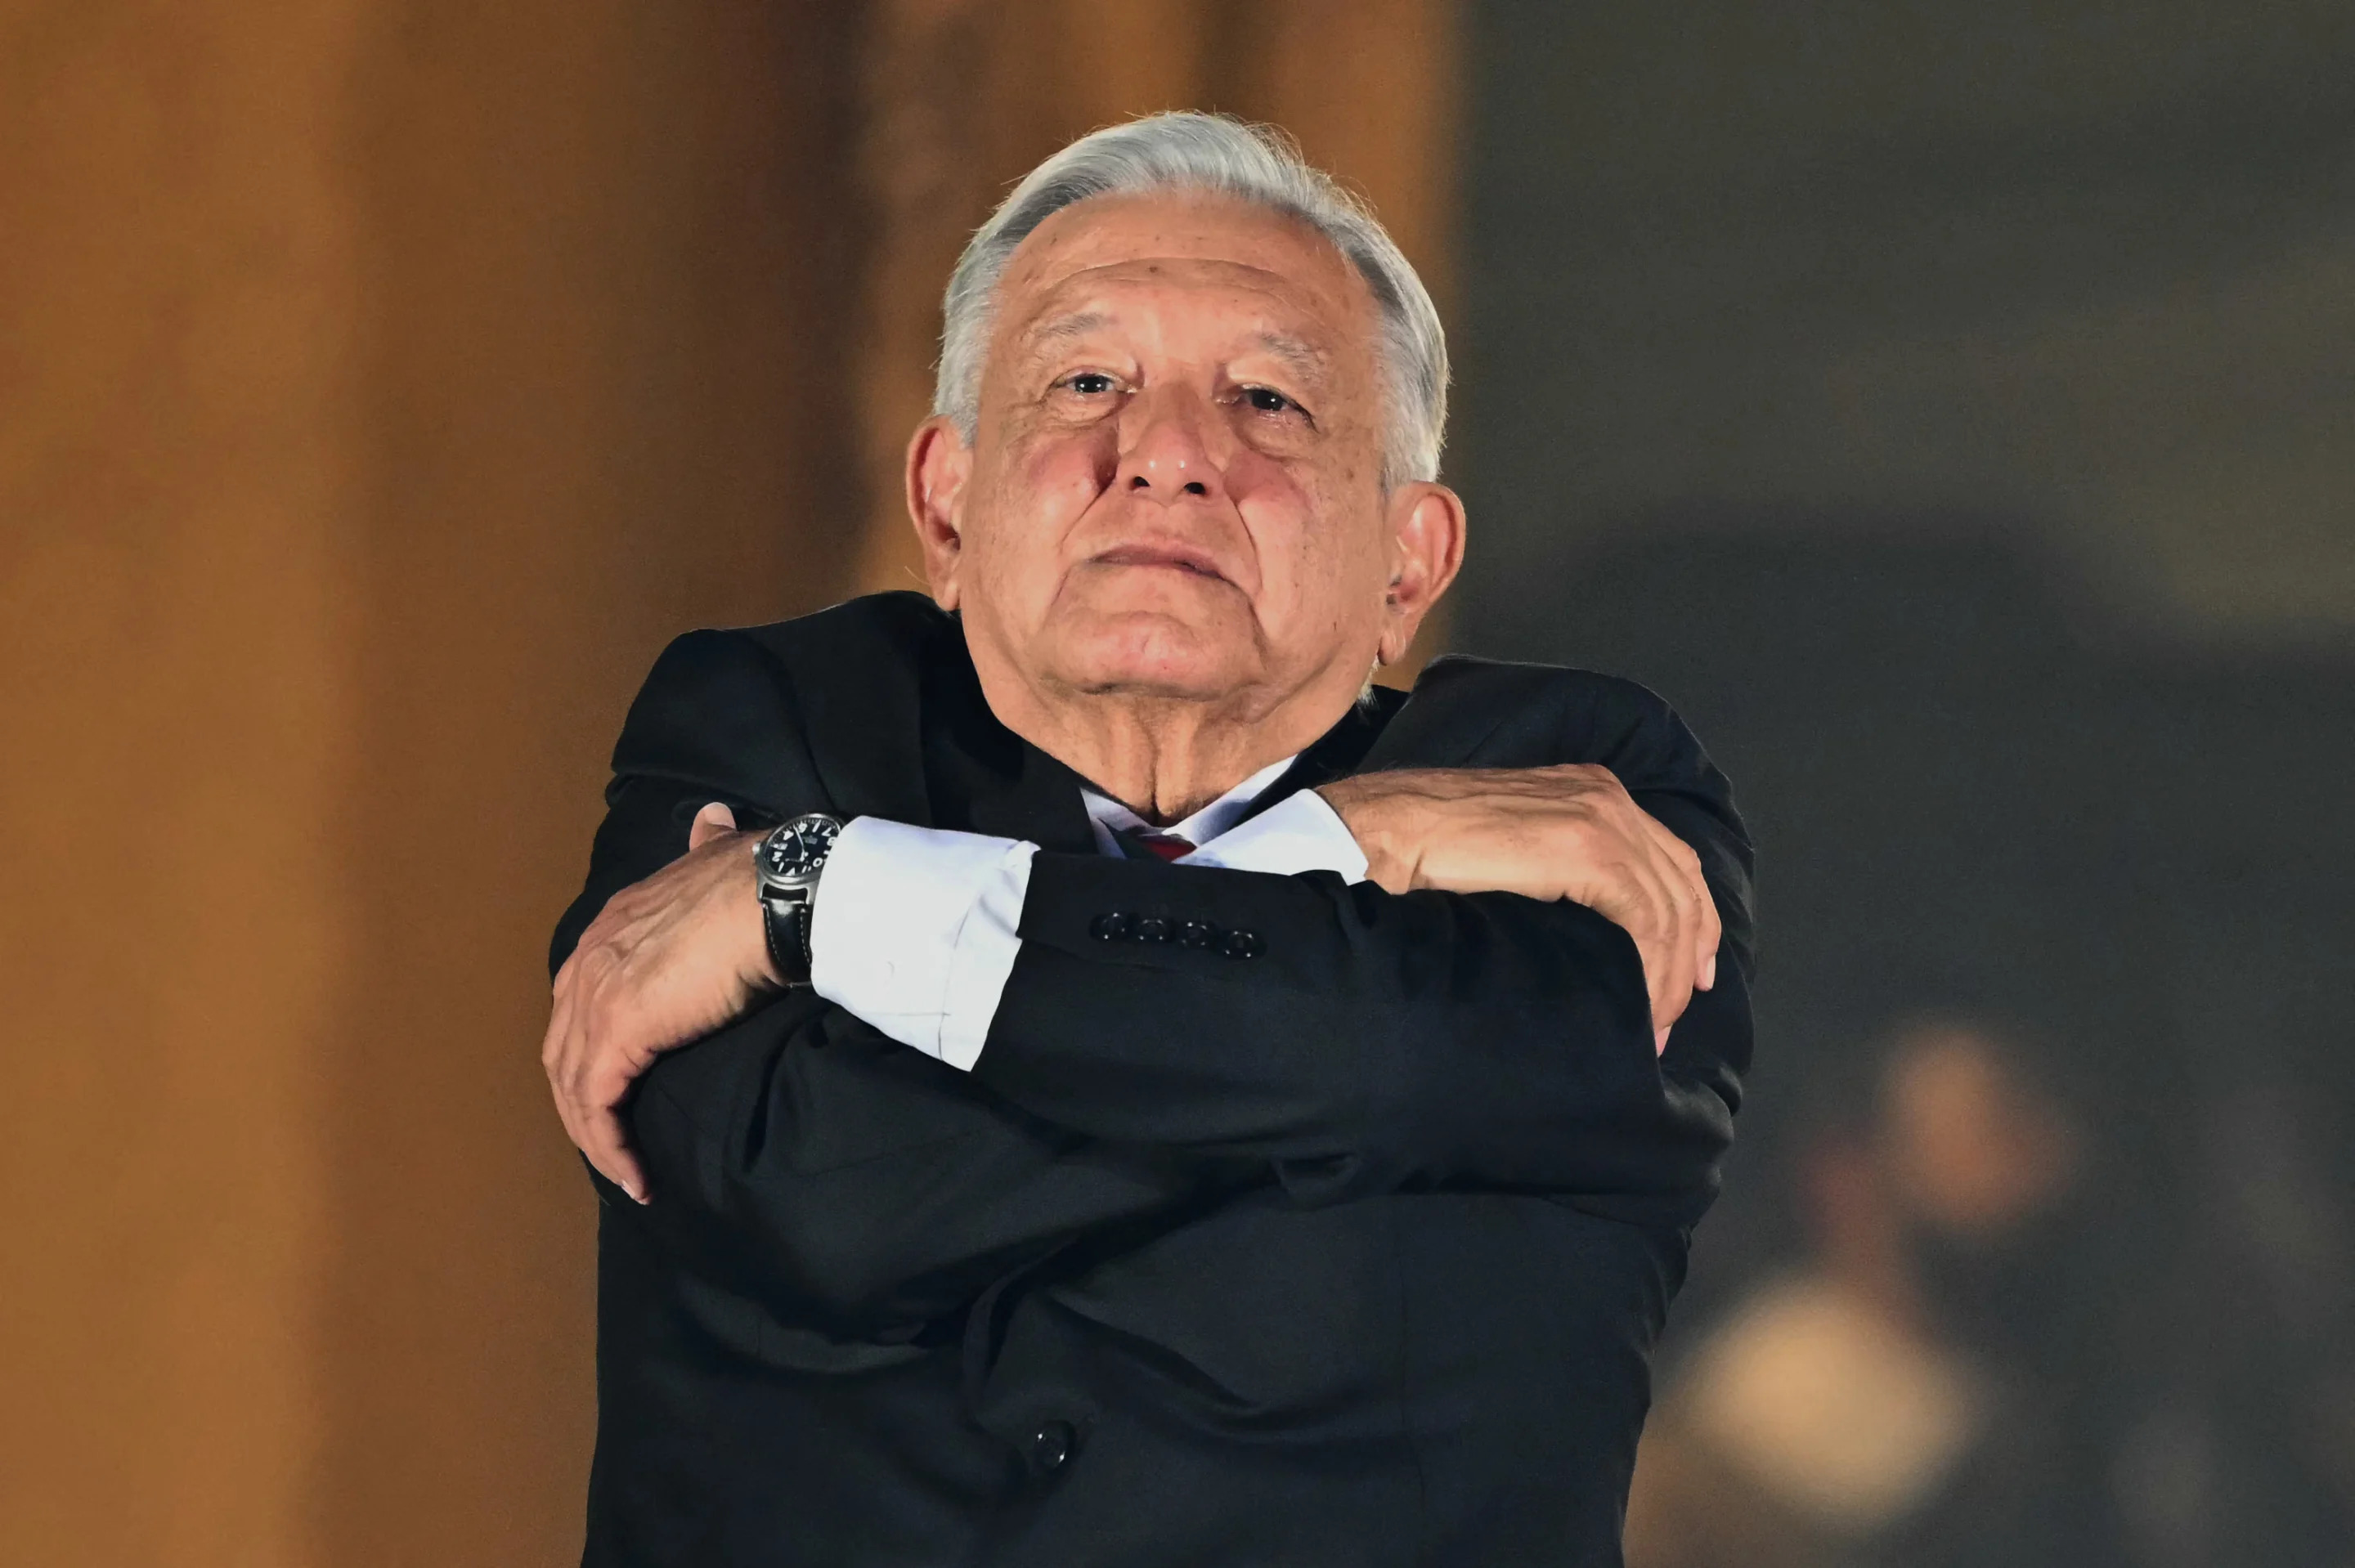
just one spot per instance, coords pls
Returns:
(609, 251)
(176, 440)
(380, 385)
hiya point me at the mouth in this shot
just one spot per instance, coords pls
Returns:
(1169, 557)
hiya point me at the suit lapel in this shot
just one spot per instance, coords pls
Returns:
(861, 698)
(981, 776)
(1390, 728)
(1339, 752)
(1431, 730)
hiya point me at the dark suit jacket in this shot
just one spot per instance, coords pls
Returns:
(1348, 1253)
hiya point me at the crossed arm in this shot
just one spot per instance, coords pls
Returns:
(1399, 1034)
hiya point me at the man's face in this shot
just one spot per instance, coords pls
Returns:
(1175, 487)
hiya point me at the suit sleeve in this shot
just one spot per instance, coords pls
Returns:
(798, 1156)
(1364, 1042)
(1375, 1043)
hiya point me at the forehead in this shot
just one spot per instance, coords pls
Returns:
(1098, 258)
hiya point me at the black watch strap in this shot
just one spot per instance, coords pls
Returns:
(786, 922)
(788, 862)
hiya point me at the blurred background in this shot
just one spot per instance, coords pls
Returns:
(1950, 408)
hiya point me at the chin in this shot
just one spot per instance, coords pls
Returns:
(1154, 654)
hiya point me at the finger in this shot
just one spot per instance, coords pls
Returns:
(1707, 931)
(711, 822)
(555, 1058)
(564, 1057)
(559, 1024)
(1667, 953)
(597, 1123)
(1626, 884)
(1698, 927)
(587, 1096)
(1712, 929)
(562, 1052)
(608, 1150)
(1681, 967)
(1712, 935)
(1676, 977)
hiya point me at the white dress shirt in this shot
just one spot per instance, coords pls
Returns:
(913, 927)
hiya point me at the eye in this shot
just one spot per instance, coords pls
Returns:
(1267, 400)
(1089, 382)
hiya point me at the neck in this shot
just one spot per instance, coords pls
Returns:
(1163, 757)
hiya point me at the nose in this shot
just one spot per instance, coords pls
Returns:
(1166, 452)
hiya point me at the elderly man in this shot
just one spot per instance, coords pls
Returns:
(1153, 1097)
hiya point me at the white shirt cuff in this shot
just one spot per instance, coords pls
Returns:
(913, 931)
(1300, 832)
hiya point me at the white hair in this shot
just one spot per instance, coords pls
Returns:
(1258, 164)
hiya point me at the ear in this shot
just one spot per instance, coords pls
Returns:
(1426, 525)
(939, 463)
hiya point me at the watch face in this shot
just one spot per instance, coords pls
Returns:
(796, 850)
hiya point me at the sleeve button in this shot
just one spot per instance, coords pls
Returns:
(1112, 926)
(1197, 934)
(1243, 945)
(1053, 1446)
(1150, 928)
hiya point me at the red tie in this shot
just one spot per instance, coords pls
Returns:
(1169, 847)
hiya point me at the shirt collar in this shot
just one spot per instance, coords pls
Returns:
(1110, 816)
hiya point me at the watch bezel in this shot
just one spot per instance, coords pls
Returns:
(794, 832)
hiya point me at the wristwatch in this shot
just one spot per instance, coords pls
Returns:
(788, 862)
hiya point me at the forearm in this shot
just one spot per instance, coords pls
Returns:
(1376, 1042)
(1351, 1040)
(858, 1188)
(916, 929)
(849, 1182)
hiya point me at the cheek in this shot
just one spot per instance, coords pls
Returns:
(1045, 487)
(1318, 552)
(1063, 470)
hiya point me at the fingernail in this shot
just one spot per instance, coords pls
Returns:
(1659, 1041)
(1709, 973)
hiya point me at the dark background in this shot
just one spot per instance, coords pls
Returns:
(1952, 410)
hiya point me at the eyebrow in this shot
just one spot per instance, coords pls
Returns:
(1062, 329)
(1304, 358)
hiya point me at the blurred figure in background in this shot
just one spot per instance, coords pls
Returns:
(1896, 1396)
(2144, 850)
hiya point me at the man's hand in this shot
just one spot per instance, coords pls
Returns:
(1569, 831)
(667, 960)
